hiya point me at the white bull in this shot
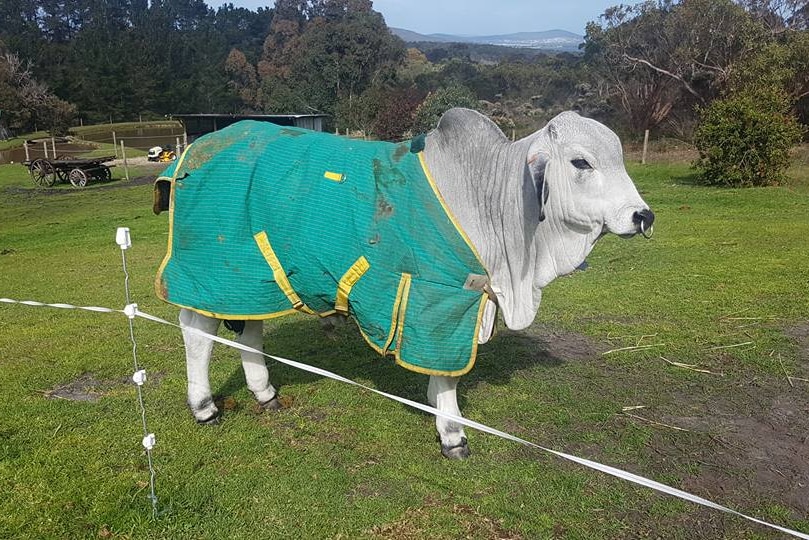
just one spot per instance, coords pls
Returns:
(533, 209)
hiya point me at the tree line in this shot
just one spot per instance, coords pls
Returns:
(116, 59)
(654, 65)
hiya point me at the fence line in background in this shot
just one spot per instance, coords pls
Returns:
(129, 137)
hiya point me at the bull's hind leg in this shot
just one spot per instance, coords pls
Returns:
(197, 360)
(441, 394)
(255, 368)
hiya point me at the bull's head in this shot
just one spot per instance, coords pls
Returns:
(583, 160)
(583, 189)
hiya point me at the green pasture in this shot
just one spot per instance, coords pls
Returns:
(83, 131)
(14, 142)
(96, 129)
(723, 286)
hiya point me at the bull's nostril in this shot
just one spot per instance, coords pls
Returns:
(645, 216)
(644, 219)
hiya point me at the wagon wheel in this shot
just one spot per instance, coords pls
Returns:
(101, 174)
(42, 172)
(78, 178)
(63, 173)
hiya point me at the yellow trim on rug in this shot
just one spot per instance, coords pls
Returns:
(278, 272)
(400, 317)
(348, 280)
(447, 210)
(401, 290)
(159, 277)
(457, 373)
(404, 282)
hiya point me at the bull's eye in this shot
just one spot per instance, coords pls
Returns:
(581, 164)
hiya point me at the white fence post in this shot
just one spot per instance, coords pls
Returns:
(645, 146)
(124, 241)
(126, 166)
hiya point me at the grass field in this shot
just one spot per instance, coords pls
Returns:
(723, 286)
(86, 131)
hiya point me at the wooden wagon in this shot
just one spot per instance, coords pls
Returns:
(46, 172)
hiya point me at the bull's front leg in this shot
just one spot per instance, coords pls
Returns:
(197, 361)
(441, 394)
(255, 367)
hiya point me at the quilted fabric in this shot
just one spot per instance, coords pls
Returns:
(267, 220)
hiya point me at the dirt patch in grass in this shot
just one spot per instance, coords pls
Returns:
(89, 388)
(756, 455)
(758, 438)
(539, 345)
(800, 335)
(561, 344)
(369, 490)
(745, 444)
(746, 447)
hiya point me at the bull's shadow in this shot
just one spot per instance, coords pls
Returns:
(342, 350)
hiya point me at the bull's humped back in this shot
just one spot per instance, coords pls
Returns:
(260, 211)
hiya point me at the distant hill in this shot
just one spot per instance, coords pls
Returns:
(550, 40)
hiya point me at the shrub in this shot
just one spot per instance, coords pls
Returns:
(396, 114)
(744, 140)
(438, 102)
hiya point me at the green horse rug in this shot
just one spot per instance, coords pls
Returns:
(265, 221)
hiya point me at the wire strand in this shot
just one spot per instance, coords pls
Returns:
(152, 475)
(612, 471)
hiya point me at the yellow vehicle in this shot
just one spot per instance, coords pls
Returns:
(160, 154)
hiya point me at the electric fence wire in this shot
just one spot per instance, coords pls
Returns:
(139, 377)
(132, 311)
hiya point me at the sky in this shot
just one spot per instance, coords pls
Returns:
(479, 17)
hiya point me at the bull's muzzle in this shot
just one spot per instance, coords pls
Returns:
(644, 219)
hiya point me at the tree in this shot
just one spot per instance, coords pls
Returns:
(396, 113)
(323, 55)
(661, 54)
(242, 77)
(122, 58)
(779, 15)
(27, 101)
(744, 140)
(438, 102)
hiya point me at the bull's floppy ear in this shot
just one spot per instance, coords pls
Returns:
(537, 166)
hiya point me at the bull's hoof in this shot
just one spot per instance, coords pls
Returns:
(211, 421)
(459, 451)
(206, 413)
(272, 405)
